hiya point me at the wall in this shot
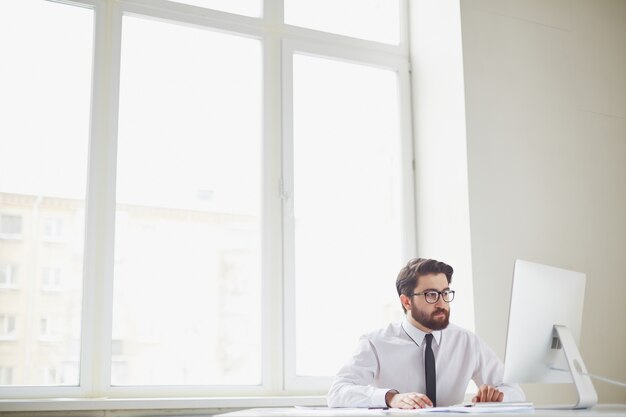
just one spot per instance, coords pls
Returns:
(545, 98)
(440, 155)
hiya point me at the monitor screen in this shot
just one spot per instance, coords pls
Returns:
(541, 297)
(543, 332)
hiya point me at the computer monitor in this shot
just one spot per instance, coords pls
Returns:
(544, 330)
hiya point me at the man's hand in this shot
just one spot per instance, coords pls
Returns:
(487, 393)
(408, 400)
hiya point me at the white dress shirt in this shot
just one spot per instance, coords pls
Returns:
(393, 358)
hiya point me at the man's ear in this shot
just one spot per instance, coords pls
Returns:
(406, 301)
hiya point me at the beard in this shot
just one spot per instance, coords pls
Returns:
(429, 320)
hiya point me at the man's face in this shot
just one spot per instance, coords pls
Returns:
(431, 316)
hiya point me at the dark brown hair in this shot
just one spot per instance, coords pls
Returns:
(417, 267)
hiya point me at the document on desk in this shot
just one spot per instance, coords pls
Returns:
(301, 411)
(466, 409)
(396, 412)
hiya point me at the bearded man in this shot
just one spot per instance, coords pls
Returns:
(423, 361)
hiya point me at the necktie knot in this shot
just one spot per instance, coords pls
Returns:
(429, 339)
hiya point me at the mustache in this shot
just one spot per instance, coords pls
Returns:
(440, 310)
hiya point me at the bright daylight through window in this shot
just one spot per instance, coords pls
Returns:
(191, 190)
(194, 205)
(45, 79)
(337, 226)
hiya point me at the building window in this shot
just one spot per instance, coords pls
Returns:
(9, 276)
(51, 279)
(10, 226)
(7, 327)
(53, 230)
(6, 375)
(51, 376)
(46, 329)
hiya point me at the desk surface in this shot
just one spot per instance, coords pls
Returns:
(601, 410)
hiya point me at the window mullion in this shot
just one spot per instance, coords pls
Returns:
(273, 309)
(100, 217)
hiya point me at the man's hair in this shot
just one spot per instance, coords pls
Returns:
(417, 267)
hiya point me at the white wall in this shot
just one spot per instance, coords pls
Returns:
(545, 88)
(438, 103)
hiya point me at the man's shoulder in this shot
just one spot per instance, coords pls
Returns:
(453, 328)
(384, 333)
(462, 333)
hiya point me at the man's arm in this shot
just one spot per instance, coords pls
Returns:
(489, 378)
(352, 385)
(407, 400)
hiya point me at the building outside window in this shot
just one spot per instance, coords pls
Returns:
(10, 226)
(53, 229)
(7, 327)
(9, 276)
(51, 278)
(6, 375)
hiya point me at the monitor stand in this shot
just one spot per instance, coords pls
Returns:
(587, 396)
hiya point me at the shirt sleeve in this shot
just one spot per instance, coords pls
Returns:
(490, 371)
(352, 385)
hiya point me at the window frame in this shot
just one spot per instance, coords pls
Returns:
(360, 57)
(279, 42)
(10, 235)
(53, 229)
(8, 327)
(10, 271)
(51, 279)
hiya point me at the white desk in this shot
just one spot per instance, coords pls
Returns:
(601, 410)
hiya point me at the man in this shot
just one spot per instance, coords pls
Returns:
(402, 366)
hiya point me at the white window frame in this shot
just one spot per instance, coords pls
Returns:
(279, 42)
(6, 333)
(11, 235)
(357, 56)
(53, 229)
(51, 278)
(47, 329)
(6, 375)
(10, 272)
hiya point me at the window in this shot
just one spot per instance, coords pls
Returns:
(6, 375)
(51, 376)
(374, 20)
(187, 109)
(53, 230)
(10, 226)
(45, 79)
(8, 275)
(7, 327)
(45, 327)
(349, 211)
(246, 165)
(244, 7)
(51, 279)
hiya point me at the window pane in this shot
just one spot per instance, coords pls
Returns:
(245, 7)
(374, 20)
(187, 291)
(347, 206)
(45, 85)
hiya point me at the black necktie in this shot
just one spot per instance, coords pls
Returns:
(429, 367)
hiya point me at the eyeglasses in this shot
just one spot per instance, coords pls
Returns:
(432, 297)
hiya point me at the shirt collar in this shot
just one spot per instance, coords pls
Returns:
(417, 335)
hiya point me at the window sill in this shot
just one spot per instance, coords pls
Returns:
(206, 405)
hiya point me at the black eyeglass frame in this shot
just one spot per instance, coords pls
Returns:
(448, 293)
